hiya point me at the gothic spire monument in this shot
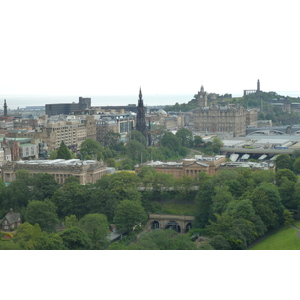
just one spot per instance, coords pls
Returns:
(5, 108)
(140, 118)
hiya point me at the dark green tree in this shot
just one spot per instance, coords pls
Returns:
(185, 137)
(284, 161)
(137, 136)
(285, 173)
(63, 152)
(96, 227)
(204, 204)
(165, 240)
(91, 149)
(198, 141)
(218, 242)
(71, 199)
(136, 151)
(42, 213)
(113, 140)
(75, 238)
(43, 186)
(267, 204)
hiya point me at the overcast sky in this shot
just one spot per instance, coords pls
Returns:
(166, 47)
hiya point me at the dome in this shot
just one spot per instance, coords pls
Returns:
(161, 112)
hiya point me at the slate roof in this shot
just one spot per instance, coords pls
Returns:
(11, 217)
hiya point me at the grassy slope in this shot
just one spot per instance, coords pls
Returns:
(284, 239)
(175, 208)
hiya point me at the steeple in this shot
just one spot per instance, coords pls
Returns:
(140, 95)
(140, 118)
(5, 108)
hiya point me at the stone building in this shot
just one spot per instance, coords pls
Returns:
(10, 221)
(189, 167)
(118, 123)
(228, 118)
(87, 171)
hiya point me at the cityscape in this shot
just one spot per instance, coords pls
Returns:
(73, 159)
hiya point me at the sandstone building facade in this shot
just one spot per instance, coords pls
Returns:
(87, 171)
(228, 118)
(189, 167)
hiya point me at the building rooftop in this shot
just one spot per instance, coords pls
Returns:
(64, 162)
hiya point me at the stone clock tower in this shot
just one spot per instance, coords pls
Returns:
(202, 97)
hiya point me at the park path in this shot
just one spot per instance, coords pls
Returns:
(298, 233)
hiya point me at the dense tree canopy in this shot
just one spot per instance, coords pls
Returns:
(42, 213)
(96, 227)
(129, 214)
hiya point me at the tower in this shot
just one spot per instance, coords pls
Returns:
(140, 118)
(202, 97)
(258, 86)
(5, 108)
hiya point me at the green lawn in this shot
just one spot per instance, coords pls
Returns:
(175, 208)
(284, 239)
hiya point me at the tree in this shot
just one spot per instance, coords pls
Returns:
(25, 176)
(198, 141)
(204, 203)
(185, 137)
(51, 241)
(111, 163)
(296, 165)
(112, 139)
(91, 149)
(63, 152)
(16, 195)
(71, 199)
(129, 214)
(146, 174)
(218, 242)
(285, 173)
(28, 236)
(43, 186)
(184, 187)
(263, 176)
(96, 227)
(216, 145)
(71, 221)
(267, 204)
(165, 240)
(137, 136)
(288, 217)
(53, 154)
(136, 151)
(124, 185)
(220, 199)
(283, 161)
(170, 140)
(75, 238)
(42, 213)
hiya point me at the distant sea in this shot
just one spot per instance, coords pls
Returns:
(21, 101)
